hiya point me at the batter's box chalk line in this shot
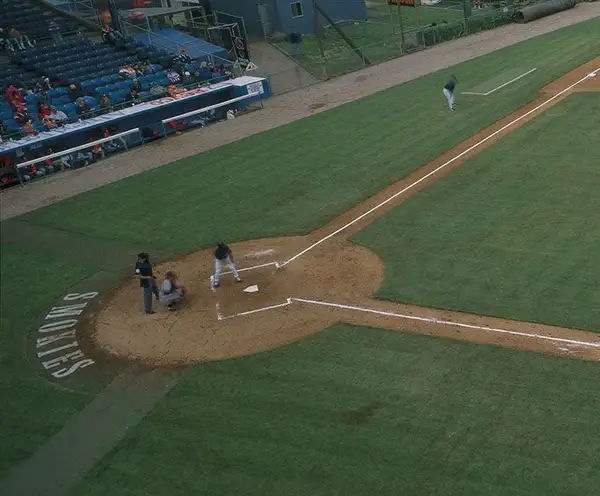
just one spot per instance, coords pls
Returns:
(251, 312)
(426, 319)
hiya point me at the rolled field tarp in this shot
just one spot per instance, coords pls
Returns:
(542, 9)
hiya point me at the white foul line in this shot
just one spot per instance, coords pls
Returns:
(263, 309)
(502, 85)
(433, 320)
(443, 166)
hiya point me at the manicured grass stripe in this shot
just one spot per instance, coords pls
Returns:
(511, 233)
(355, 411)
(297, 177)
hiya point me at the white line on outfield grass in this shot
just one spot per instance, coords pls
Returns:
(502, 85)
(441, 167)
(433, 320)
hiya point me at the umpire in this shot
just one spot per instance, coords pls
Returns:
(143, 271)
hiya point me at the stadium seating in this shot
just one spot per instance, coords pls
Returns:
(30, 19)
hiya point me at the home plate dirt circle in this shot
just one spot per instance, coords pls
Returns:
(208, 326)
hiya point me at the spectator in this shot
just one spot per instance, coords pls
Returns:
(75, 92)
(105, 103)
(3, 41)
(44, 110)
(54, 30)
(144, 67)
(132, 97)
(20, 41)
(21, 115)
(28, 128)
(82, 108)
(127, 72)
(45, 84)
(204, 71)
(136, 85)
(111, 36)
(183, 57)
(12, 94)
(174, 90)
(173, 77)
(44, 97)
(58, 115)
(48, 122)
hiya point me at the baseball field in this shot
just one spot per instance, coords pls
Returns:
(427, 316)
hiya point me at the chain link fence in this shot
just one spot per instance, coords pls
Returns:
(395, 32)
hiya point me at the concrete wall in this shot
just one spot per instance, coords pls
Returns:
(279, 14)
(243, 8)
(337, 10)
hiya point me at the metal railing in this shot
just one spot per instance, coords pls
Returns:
(75, 149)
(209, 109)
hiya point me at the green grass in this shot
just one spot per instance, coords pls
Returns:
(32, 408)
(379, 38)
(289, 180)
(364, 411)
(297, 177)
(513, 232)
(37, 266)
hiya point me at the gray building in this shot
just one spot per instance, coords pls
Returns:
(288, 16)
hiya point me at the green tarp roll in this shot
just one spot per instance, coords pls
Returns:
(543, 9)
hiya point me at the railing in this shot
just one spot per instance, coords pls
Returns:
(166, 43)
(93, 152)
(209, 109)
(92, 144)
(113, 108)
(379, 40)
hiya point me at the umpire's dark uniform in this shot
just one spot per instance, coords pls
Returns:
(143, 268)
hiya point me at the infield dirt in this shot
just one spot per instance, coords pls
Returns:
(209, 327)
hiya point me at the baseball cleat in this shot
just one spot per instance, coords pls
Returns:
(216, 285)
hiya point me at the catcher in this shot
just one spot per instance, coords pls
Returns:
(171, 292)
(224, 256)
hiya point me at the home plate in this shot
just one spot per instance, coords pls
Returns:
(251, 289)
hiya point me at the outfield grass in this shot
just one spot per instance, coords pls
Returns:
(513, 233)
(364, 411)
(289, 180)
(297, 177)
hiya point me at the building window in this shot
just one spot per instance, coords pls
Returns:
(296, 9)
